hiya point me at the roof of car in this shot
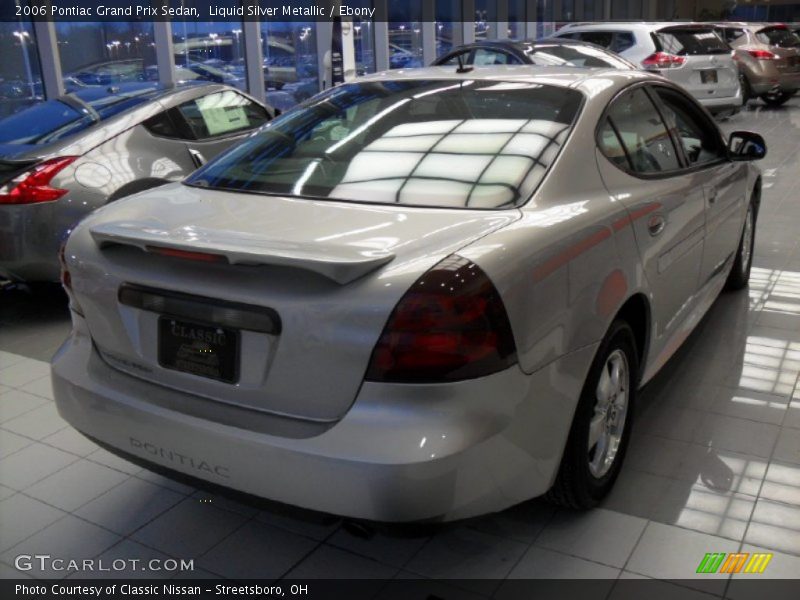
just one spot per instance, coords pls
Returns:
(143, 89)
(558, 76)
(614, 25)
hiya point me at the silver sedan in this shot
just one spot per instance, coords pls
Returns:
(422, 296)
(61, 159)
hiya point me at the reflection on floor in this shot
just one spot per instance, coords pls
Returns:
(714, 465)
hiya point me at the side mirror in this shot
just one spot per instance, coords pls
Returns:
(746, 145)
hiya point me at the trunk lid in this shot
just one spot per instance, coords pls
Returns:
(302, 288)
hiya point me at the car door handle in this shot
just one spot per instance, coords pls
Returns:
(656, 225)
(197, 158)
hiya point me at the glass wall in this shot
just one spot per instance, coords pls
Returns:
(448, 25)
(405, 34)
(485, 19)
(291, 68)
(364, 38)
(592, 10)
(20, 75)
(106, 53)
(209, 52)
(517, 19)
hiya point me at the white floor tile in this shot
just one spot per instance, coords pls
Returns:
(21, 517)
(599, 535)
(256, 551)
(178, 533)
(75, 485)
(129, 506)
(27, 466)
(668, 552)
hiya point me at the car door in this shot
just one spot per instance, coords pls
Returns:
(214, 122)
(723, 181)
(641, 168)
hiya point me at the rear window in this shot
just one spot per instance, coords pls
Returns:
(778, 36)
(690, 42)
(57, 119)
(464, 144)
(576, 56)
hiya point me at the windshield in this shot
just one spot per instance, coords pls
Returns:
(691, 42)
(575, 56)
(778, 36)
(467, 144)
(57, 119)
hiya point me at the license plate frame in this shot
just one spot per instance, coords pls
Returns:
(201, 349)
(709, 76)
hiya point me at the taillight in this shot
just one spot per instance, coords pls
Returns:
(762, 54)
(33, 185)
(663, 60)
(451, 325)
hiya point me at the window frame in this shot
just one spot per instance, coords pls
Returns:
(185, 130)
(689, 167)
(685, 167)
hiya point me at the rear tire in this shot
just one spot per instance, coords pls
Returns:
(601, 426)
(776, 99)
(747, 90)
(740, 272)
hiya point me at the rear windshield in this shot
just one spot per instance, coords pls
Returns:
(691, 42)
(778, 36)
(465, 144)
(57, 119)
(576, 56)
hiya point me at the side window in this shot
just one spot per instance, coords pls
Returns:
(222, 113)
(611, 145)
(622, 41)
(642, 134)
(453, 60)
(700, 139)
(484, 56)
(601, 38)
(162, 126)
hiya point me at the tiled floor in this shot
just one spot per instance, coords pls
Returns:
(714, 465)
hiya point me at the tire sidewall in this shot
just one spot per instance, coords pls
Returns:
(620, 337)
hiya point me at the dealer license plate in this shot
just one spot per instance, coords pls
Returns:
(198, 348)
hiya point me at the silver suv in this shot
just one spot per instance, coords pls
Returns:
(690, 54)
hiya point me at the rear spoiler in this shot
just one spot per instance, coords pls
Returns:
(342, 264)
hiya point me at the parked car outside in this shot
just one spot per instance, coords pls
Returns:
(544, 52)
(768, 55)
(398, 302)
(690, 54)
(63, 158)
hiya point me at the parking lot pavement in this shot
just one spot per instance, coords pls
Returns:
(714, 464)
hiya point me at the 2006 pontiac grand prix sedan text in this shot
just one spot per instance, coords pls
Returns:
(425, 295)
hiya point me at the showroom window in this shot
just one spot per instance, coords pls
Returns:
(106, 53)
(517, 21)
(448, 26)
(364, 40)
(20, 74)
(405, 34)
(209, 52)
(291, 68)
(485, 19)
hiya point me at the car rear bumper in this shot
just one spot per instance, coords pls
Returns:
(770, 79)
(402, 453)
(722, 103)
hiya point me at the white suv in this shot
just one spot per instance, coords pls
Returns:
(690, 54)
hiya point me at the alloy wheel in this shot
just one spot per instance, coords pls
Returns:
(610, 413)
